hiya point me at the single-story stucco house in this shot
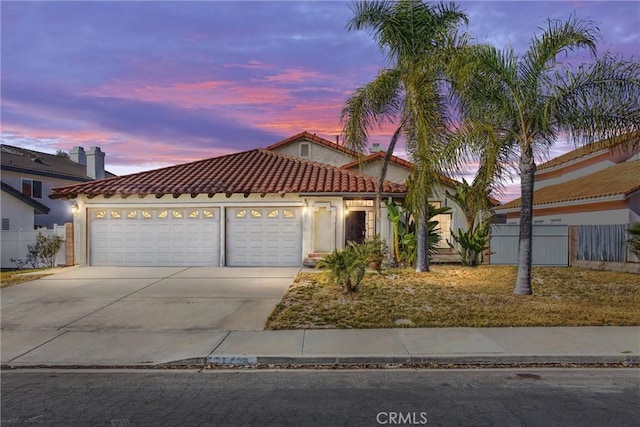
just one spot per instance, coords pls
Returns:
(254, 208)
(284, 205)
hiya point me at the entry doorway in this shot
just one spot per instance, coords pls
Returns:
(355, 227)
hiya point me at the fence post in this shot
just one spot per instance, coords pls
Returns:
(68, 229)
(573, 244)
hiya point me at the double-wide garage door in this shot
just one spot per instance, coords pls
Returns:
(155, 237)
(255, 236)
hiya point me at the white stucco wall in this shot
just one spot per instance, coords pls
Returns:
(220, 201)
(20, 214)
(317, 153)
(60, 212)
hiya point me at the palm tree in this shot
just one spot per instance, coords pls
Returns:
(413, 36)
(516, 107)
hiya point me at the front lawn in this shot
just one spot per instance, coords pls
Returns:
(455, 296)
(10, 278)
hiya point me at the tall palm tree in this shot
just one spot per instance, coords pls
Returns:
(413, 35)
(516, 107)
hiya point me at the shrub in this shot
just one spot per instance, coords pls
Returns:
(44, 250)
(373, 251)
(346, 268)
(634, 239)
(471, 243)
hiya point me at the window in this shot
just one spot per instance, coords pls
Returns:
(208, 214)
(116, 214)
(241, 213)
(194, 214)
(256, 214)
(32, 188)
(100, 214)
(304, 150)
(163, 214)
(358, 203)
(132, 214)
(5, 223)
(146, 214)
(177, 214)
(273, 213)
(288, 213)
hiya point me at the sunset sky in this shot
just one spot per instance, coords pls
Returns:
(161, 83)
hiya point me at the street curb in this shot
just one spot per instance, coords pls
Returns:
(360, 362)
(421, 360)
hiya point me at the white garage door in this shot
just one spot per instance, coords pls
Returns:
(264, 237)
(155, 237)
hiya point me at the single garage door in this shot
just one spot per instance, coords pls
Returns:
(155, 237)
(264, 237)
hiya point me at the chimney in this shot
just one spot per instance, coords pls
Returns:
(78, 155)
(95, 163)
(375, 147)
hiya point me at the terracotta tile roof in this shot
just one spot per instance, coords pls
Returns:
(21, 159)
(622, 179)
(398, 161)
(605, 144)
(314, 137)
(251, 172)
(359, 156)
(375, 156)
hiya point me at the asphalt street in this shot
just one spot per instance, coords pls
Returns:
(499, 397)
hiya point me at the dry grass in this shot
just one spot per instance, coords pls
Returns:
(454, 296)
(10, 278)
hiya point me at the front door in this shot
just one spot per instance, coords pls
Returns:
(356, 227)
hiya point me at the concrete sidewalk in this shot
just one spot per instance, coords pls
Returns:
(579, 345)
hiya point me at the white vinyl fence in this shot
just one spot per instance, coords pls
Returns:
(550, 244)
(14, 245)
(603, 243)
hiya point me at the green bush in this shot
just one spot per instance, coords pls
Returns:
(346, 268)
(44, 250)
(470, 244)
(373, 251)
(634, 239)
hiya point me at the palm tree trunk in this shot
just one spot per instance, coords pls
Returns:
(422, 257)
(383, 172)
(525, 248)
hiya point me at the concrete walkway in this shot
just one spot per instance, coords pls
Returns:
(115, 317)
(578, 345)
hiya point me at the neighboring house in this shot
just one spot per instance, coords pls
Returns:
(361, 217)
(591, 185)
(254, 208)
(28, 177)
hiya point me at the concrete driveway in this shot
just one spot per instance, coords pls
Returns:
(108, 303)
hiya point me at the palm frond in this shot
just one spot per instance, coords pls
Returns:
(370, 106)
(600, 101)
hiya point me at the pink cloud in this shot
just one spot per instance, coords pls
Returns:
(204, 94)
(296, 75)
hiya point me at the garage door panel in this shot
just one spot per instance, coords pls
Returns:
(159, 236)
(264, 237)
